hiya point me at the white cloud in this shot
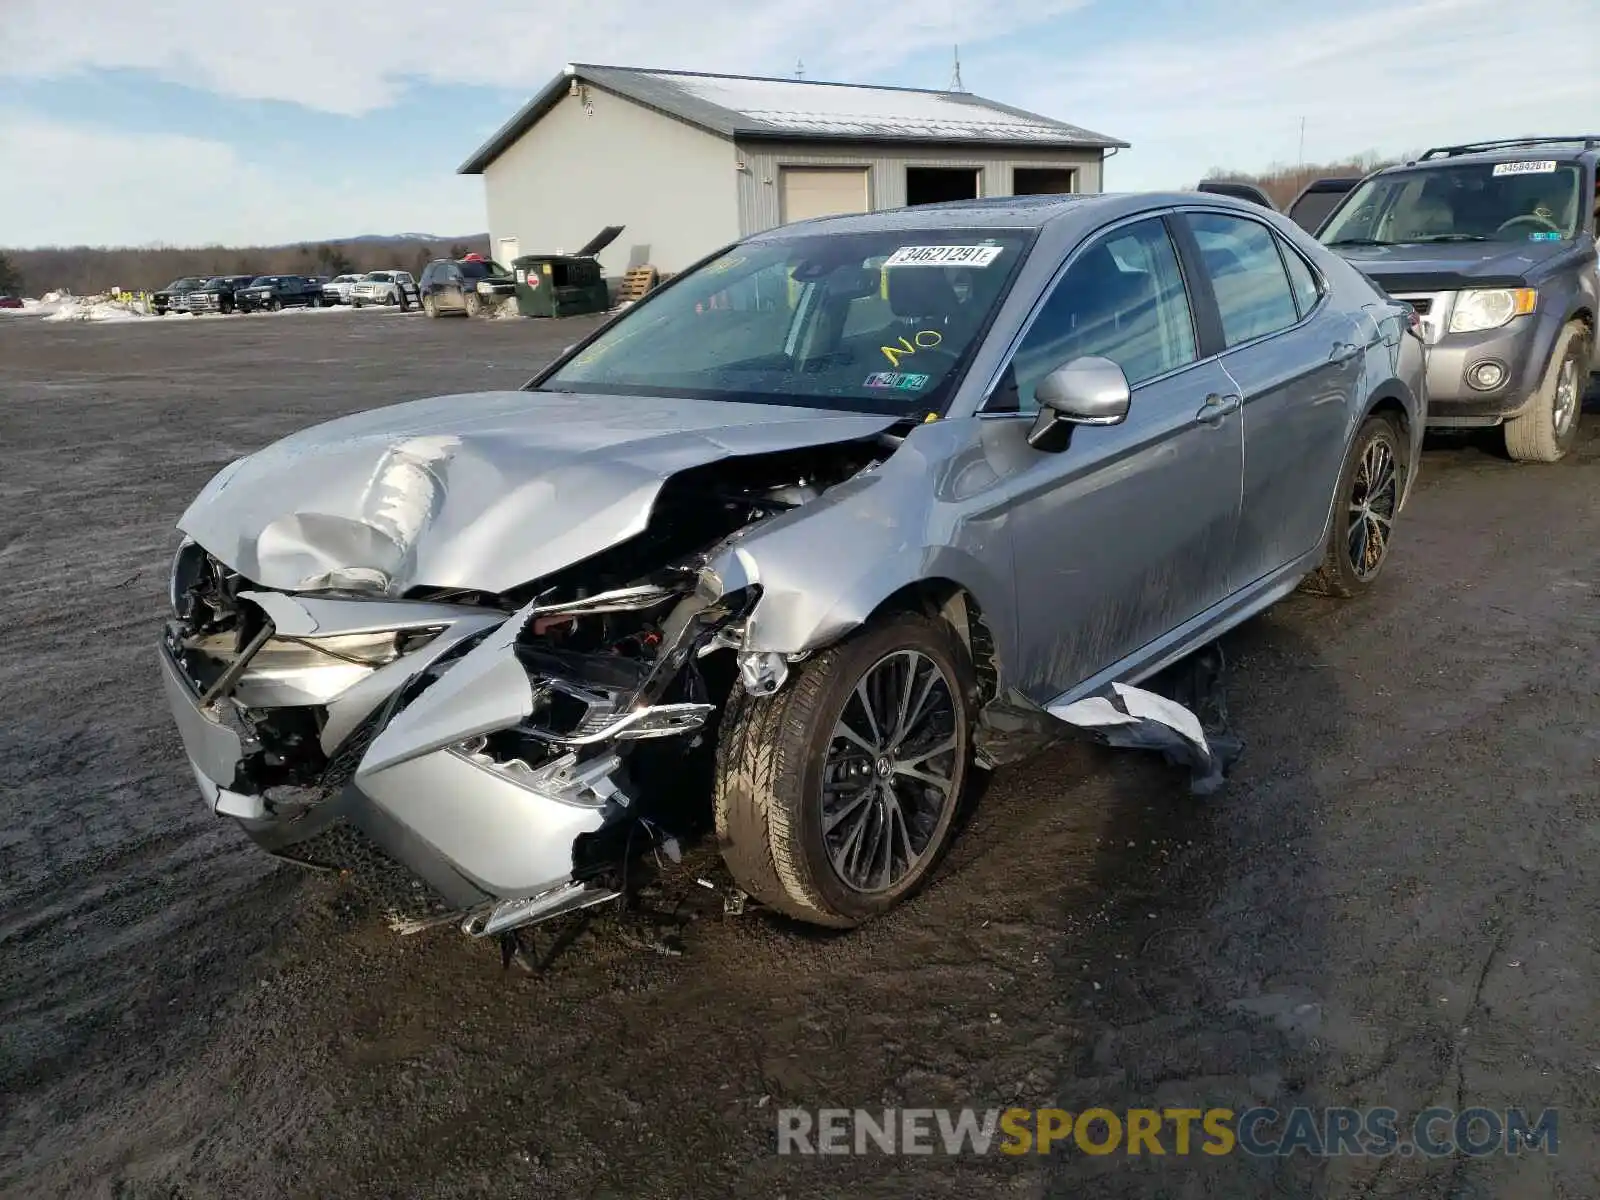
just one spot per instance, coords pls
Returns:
(355, 56)
(67, 184)
(1223, 84)
(1394, 76)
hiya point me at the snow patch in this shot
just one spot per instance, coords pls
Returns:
(57, 307)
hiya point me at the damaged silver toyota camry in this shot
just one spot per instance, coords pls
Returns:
(846, 510)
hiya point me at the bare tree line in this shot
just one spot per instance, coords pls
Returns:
(89, 270)
(1284, 183)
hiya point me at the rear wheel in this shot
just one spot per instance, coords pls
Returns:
(1548, 429)
(1364, 511)
(835, 798)
(429, 307)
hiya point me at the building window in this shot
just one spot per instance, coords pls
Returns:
(1043, 181)
(938, 185)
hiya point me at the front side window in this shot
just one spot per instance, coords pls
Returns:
(1252, 289)
(1122, 298)
(882, 321)
(1471, 202)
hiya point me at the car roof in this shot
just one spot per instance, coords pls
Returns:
(1011, 212)
(1561, 154)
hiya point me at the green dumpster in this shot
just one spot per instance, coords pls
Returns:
(550, 286)
(563, 285)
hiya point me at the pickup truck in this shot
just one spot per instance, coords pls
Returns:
(274, 292)
(1493, 245)
(217, 295)
(174, 297)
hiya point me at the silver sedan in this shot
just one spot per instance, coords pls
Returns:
(823, 522)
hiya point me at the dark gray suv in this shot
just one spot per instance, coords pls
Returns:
(1493, 244)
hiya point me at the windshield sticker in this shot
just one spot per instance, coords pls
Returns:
(1543, 167)
(724, 264)
(1544, 237)
(900, 381)
(943, 256)
(923, 339)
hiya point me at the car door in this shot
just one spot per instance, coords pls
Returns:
(1296, 359)
(455, 291)
(1127, 534)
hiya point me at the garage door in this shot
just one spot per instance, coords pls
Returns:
(822, 191)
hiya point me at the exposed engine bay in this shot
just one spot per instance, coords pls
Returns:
(624, 658)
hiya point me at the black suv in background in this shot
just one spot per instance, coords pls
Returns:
(217, 295)
(464, 285)
(174, 296)
(272, 292)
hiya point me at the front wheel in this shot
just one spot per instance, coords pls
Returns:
(835, 797)
(1548, 429)
(1364, 509)
(474, 305)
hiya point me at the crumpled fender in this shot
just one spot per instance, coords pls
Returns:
(825, 568)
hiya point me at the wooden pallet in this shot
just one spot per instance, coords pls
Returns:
(636, 283)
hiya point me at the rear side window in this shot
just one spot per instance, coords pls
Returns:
(1247, 275)
(1301, 279)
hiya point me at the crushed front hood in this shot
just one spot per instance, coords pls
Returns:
(483, 491)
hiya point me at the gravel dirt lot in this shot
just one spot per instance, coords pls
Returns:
(1393, 903)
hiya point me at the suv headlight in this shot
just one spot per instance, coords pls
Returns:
(1490, 308)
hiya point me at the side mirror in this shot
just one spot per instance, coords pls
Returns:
(1085, 391)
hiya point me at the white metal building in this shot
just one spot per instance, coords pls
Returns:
(689, 162)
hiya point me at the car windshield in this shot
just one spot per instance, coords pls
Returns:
(884, 321)
(480, 270)
(264, 281)
(1474, 202)
(379, 277)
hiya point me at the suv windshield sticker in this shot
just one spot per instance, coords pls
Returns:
(1544, 167)
(901, 381)
(945, 256)
(1544, 237)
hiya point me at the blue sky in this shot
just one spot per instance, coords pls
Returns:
(195, 121)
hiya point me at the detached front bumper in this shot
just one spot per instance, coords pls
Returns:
(444, 833)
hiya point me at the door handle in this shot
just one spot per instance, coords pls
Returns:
(1217, 406)
(1343, 352)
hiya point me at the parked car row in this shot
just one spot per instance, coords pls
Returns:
(270, 293)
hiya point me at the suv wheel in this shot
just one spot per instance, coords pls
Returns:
(1364, 509)
(1549, 427)
(473, 304)
(429, 307)
(835, 798)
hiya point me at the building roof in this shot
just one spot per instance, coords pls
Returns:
(802, 110)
